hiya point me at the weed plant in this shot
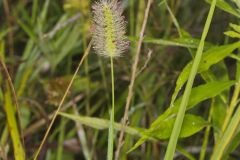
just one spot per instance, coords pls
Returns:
(164, 82)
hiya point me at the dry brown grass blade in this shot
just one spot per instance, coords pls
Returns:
(133, 77)
(62, 100)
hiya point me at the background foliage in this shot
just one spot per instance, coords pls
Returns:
(42, 42)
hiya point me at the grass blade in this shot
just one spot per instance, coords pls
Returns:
(12, 125)
(180, 116)
(100, 124)
(227, 136)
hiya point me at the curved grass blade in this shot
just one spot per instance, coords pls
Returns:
(198, 95)
(210, 57)
(12, 125)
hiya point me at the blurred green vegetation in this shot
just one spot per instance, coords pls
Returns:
(42, 42)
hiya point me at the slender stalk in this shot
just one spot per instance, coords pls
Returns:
(82, 136)
(10, 82)
(232, 106)
(61, 139)
(104, 79)
(111, 128)
(12, 125)
(132, 81)
(62, 100)
(180, 116)
(229, 133)
(207, 132)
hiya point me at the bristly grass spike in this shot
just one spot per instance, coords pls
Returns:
(109, 28)
(110, 41)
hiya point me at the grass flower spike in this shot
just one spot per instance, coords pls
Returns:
(109, 28)
(110, 41)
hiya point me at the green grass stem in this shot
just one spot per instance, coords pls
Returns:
(228, 135)
(232, 106)
(111, 127)
(180, 116)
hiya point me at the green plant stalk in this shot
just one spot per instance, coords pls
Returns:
(231, 130)
(4, 136)
(12, 125)
(140, 16)
(206, 134)
(34, 11)
(61, 139)
(232, 106)
(12, 120)
(180, 116)
(82, 137)
(175, 22)
(185, 153)
(103, 74)
(111, 127)
(170, 21)
(203, 75)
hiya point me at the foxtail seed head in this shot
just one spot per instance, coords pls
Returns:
(109, 28)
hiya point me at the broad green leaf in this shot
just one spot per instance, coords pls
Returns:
(100, 124)
(179, 148)
(235, 27)
(210, 57)
(223, 5)
(192, 42)
(235, 33)
(198, 95)
(178, 42)
(232, 34)
(189, 43)
(191, 125)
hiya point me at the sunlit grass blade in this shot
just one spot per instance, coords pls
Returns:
(12, 125)
(100, 124)
(180, 116)
(111, 126)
